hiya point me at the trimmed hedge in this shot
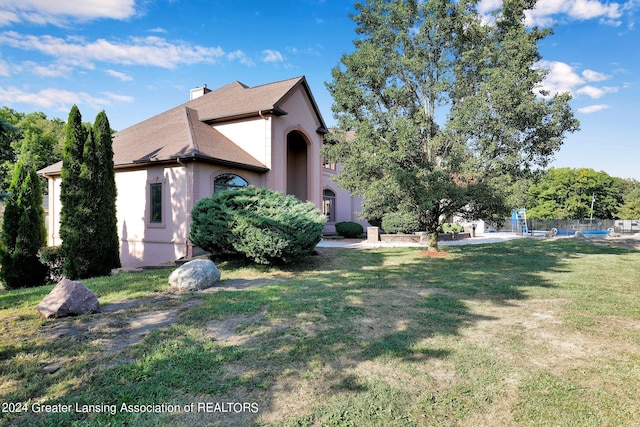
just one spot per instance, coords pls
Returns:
(349, 229)
(264, 225)
(400, 222)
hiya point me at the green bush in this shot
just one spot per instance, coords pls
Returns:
(263, 225)
(448, 227)
(53, 258)
(349, 229)
(400, 222)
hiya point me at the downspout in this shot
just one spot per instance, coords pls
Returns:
(187, 243)
(270, 150)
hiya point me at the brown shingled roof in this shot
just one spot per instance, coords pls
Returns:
(175, 134)
(237, 100)
(183, 133)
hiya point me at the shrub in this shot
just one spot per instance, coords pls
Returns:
(53, 258)
(448, 227)
(263, 225)
(349, 229)
(400, 222)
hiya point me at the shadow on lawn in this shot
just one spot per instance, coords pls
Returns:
(343, 309)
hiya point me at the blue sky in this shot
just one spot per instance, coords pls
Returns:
(137, 58)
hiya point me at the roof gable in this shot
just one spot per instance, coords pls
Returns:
(237, 100)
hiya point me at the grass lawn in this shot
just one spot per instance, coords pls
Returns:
(525, 332)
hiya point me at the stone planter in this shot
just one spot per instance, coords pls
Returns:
(450, 236)
(403, 238)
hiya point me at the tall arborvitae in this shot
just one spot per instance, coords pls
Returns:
(106, 194)
(90, 238)
(23, 232)
(72, 194)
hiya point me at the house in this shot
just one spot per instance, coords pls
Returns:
(268, 136)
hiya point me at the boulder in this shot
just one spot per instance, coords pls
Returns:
(68, 298)
(195, 275)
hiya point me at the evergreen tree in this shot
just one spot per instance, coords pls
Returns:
(23, 232)
(106, 193)
(72, 194)
(90, 238)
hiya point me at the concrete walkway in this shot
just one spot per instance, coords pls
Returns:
(363, 244)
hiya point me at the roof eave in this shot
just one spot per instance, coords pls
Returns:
(197, 157)
(273, 111)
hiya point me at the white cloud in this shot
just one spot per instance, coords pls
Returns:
(152, 50)
(125, 99)
(4, 69)
(119, 75)
(51, 70)
(60, 12)
(57, 99)
(581, 10)
(596, 92)
(561, 77)
(485, 7)
(240, 56)
(594, 76)
(272, 56)
(593, 108)
(546, 11)
(589, 9)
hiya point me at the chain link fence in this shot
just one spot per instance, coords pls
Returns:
(569, 227)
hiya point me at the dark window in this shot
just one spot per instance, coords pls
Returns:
(228, 181)
(329, 205)
(155, 216)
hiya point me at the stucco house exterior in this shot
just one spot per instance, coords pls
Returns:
(268, 136)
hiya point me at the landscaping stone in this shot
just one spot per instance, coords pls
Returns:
(195, 275)
(68, 298)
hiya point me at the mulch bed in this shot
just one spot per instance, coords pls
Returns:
(434, 254)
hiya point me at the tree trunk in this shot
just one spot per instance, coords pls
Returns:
(433, 240)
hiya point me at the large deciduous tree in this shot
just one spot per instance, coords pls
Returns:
(444, 109)
(567, 193)
(630, 208)
(32, 138)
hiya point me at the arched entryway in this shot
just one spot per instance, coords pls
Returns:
(297, 165)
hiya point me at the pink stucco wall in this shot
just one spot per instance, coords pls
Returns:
(183, 184)
(347, 207)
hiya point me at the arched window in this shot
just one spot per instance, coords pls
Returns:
(329, 205)
(228, 181)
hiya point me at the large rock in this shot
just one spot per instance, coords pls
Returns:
(68, 298)
(195, 275)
